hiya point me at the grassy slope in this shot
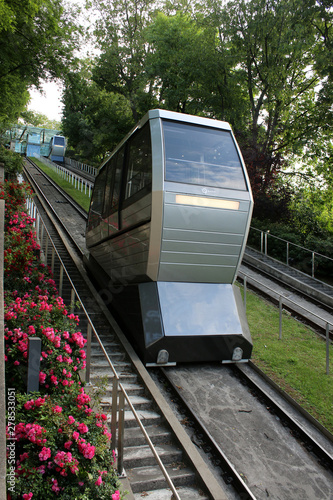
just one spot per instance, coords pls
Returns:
(81, 198)
(297, 363)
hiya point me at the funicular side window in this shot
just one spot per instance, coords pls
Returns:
(113, 180)
(202, 155)
(97, 200)
(139, 165)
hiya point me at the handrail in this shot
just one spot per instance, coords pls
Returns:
(116, 444)
(71, 177)
(151, 445)
(81, 166)
(283, 299)
(264, 248)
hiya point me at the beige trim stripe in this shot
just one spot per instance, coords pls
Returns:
(200, 201)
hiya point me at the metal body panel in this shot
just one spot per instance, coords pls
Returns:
(136, 213)
(201, 244)
(125, 256)
(157, 198)
(155, 321)
(192, 309)
(175, 252)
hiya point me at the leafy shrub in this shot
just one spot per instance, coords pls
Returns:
(13, 162)
(62, 447)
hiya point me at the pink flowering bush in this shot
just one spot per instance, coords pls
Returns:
(62, 447)
(62, 351)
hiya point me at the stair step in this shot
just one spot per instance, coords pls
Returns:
(114, 355)
(128, 377)
(100, 363)
(132, 389)
(157, 433)
(151, 478)
(139, 402)
(185, 493)
(143, 456)
(146, 417)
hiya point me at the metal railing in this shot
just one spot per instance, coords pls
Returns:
(119, 394)
(284, 301)
(79, 183)
(81, 166)
(268, 249)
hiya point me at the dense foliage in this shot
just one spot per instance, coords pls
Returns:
(57, 445)
(264, 66)
(12, 162)
(37, 39)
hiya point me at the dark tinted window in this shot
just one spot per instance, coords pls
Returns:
(59, 141)
(138, 162)
(112, 184)
(97, 200)
(201, 155)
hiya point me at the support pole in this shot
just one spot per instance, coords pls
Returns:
(327, 349)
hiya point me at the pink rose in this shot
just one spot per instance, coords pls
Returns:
(45, 453)
(99, 481)
(83, 428)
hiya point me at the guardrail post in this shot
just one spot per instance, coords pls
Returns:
(46, 247)
(88, 360)
(280, 318)
(42, 236)
(287, 257)
(266, 242)
(114, 411)
(245, 290)
(38, 226)
(120, 457)
(327, 349)
(72, 300)
(313, 264)
(52, 259)
(61, 279)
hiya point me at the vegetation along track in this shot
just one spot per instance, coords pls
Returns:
(243, 443)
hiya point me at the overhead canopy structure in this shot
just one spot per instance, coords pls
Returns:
(19, 136)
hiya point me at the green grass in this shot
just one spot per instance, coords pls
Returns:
(297, 362)
(82, 199)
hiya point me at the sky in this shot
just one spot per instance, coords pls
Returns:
(49, 102)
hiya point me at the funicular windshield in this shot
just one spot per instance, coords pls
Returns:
(201, 155)
(59, 141)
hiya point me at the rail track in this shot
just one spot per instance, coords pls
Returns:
(159, 414)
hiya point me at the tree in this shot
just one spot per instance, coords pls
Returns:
(37, 39)
(174, 62)
(94, 120)
(39, 120)
(121, 66)
(266, 50)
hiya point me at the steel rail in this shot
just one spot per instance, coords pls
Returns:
(237, 482)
